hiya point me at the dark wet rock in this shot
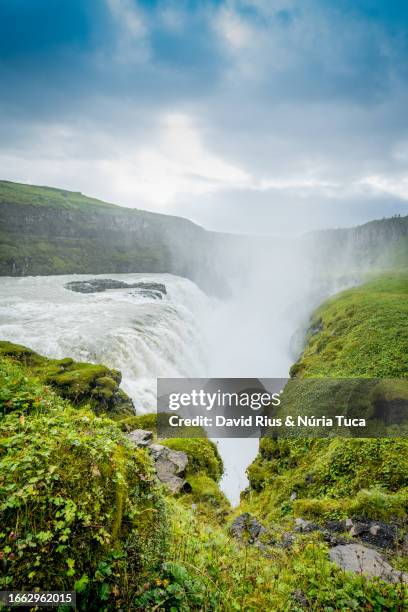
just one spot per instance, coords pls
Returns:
(246, 528)
(316, 327)
(363, 560)
(140, 437)
(335, 526)
(152, 290)
(404, 546)
(377, 533)
(98, 285)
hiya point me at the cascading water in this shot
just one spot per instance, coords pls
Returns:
(186, 334)
(142, 337)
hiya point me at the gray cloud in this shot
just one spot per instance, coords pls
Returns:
(245, 115)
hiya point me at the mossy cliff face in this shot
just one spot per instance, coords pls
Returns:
(82, 383)
(54, 231)
(80, 507)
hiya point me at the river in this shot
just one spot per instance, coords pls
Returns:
(186, 334)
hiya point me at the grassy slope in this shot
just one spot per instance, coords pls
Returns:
(20, 194)
(79, 506)
(82, 383)
(109, 534)
(360, 332)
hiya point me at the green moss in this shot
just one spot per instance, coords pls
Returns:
(207, 498)
(225, 575)
(360, 332)
(81, 383)
(328, 477)
(203, 456)
(72, 491)
(142, 421)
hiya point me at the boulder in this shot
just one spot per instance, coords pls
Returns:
(140, 437)
(305, 526)
(170, 465)
(98, 285)
(246, 527)
(363, 560)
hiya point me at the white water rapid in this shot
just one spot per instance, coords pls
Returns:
(186, 334)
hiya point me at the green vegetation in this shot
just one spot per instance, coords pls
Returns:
(82, 383)
(55, 231)
(80, 507)
(360, 333)
(330, 478)
(203, 456)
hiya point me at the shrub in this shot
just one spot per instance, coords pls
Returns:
(79, 507)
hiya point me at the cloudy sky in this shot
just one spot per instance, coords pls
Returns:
(259, 116)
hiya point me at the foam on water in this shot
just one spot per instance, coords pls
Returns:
(143, 337)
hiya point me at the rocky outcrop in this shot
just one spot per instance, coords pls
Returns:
(98, 285)
(247, 528)
(363, 560)
(141, 437)
(170, 465)
(54, 231)
(376, 533)
(81, 383)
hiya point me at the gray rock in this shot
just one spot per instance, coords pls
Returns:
(287, 539)
(169, 464)
(97, 285)
(140, 437)
(306, 526)
(363, 560)
(170, 467)
(246, 527)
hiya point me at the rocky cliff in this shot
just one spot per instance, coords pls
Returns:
(53, 231)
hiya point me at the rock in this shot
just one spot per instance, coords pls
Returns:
(151, 290)
(404, 546)
(305, 526)
(293, 496)
(287, 539)
(300, 598)
(376, 533)
(97, 285)
(140, 437)
(363, 560)
(170, 467)
(246, 527)
(169, 464)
